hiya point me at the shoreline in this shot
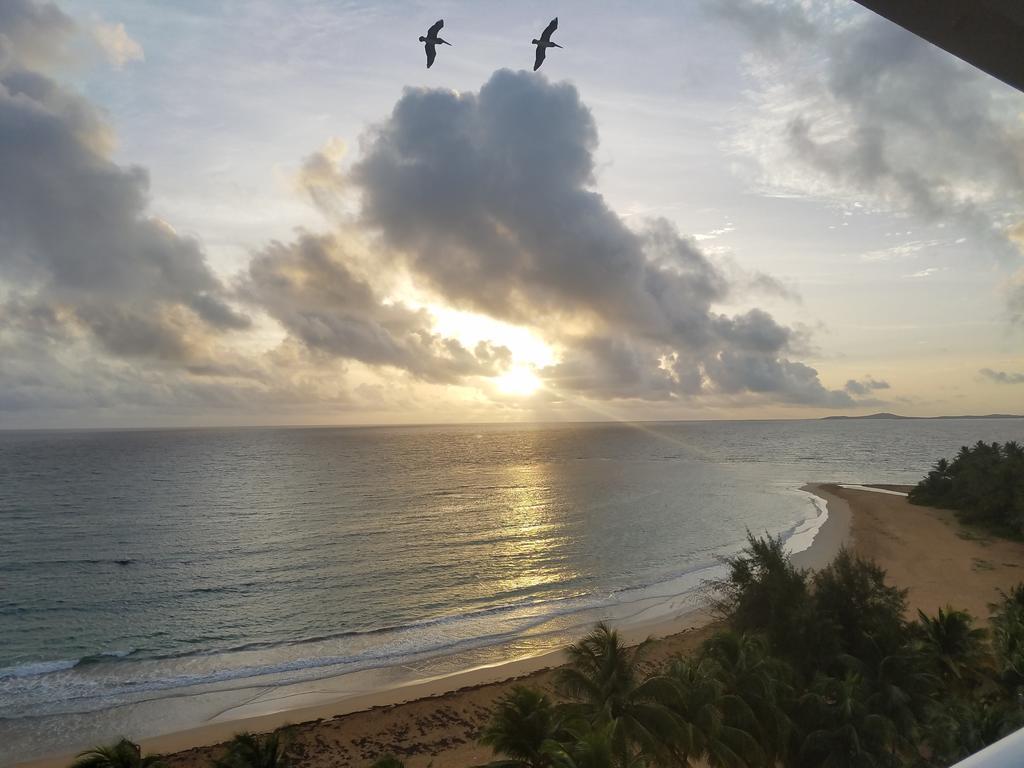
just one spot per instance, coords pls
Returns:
(316, 702)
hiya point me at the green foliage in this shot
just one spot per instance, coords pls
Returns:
(715, 725)
(954, 647)
(763, 592)
(762, 682)
(389, 761)
(523, 729)
(123, 754)
(248, 750)
(604, 688)
(812, 670)
(984, 483)
(1008, 638)
(960, 727)
(844, 730)
(857, 613)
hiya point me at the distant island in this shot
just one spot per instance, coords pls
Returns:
(897, 416)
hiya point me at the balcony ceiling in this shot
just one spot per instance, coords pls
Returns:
(986, 33)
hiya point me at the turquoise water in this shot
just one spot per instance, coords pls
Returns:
(141, 567)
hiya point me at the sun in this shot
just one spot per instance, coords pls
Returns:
(519, 381)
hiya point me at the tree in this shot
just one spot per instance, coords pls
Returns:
(713, 724)
(249, 750)
(899, 689)
(962, 727)
(747, 670)
(603, 684)
(984, 483)
(862, 612)
(954, 647)
(388, 761)
(123, 754)
(1008, 637)
(764, 592)
(586, 747)
(843, 732)
(522, 728)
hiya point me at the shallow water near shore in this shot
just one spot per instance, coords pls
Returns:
(153, 580)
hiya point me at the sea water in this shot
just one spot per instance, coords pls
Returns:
(151, 579)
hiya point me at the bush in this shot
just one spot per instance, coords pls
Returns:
(984, 483)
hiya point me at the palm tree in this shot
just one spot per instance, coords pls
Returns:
(123, 754)
(604, 686)
(522, 728)
(712, 723)
(747, 670)
(962, 728)
(953, 645)
(248, 750)
(899, 689)
(845, 733)
(1008, 636)
(587, 747)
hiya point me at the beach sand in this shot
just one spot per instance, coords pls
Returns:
(439, 721)
(926, 551)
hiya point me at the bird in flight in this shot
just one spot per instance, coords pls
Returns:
(432, 40)
(544, 43)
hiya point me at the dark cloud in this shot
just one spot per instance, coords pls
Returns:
(32, 33)
(308, 288)
(765, 284)
(605, 368)
(484, 199)
(894, 117)
(74, 231)
(865, 386)
(783, 380)
(489, 199)
(1002, 377)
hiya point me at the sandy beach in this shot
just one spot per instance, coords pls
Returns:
(438, 721)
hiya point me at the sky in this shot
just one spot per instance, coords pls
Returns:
(257, 212)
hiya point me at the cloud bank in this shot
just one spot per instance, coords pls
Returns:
(489, 199)
(849, 104)
(485, 201)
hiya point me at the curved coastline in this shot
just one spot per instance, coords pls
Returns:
(672, 615)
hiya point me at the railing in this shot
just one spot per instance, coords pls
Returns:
(1005, 753)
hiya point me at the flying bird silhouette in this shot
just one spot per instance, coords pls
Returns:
(544, 43)
(432, 40)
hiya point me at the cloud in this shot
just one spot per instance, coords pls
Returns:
(858, 105)
(310, 290)
(75, 235)
(32, 34)
(1015, 297)
(865, 386)
(927, 272)
(320, 178)
(771, 25)
(115, 42)
(484, 201)
(1002, 377)
(487, 198)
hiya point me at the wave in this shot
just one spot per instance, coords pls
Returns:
(37, 668)
(33, 668)
(90, 683)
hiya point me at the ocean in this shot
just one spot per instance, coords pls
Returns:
(153, 579)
